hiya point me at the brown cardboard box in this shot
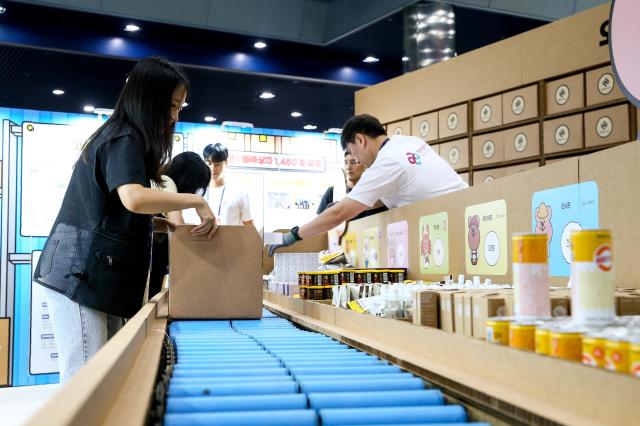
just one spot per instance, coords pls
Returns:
(602, 86)
(628, 304)
(512, 170)
(605, 126)
(217, 278)
(458, 322)
(399, 128)
(520, 104)
(447, 310)
(488, 148)
(487, 113)
(522, 142)
(452, 121)
(425, 126)
(5, 324)
(563, 134)
(456, 153)
(436, 148)
(426, 308)
(465, 176)
(485, 306)
(565, 94)
(488, 175)
(468, 314)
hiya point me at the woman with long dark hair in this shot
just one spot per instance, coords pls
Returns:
(95, 262)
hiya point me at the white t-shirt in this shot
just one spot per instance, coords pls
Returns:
(406, 170)
(234, 210)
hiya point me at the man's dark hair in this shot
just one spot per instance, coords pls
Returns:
(189, 172)
(215, 153)
(363, 123)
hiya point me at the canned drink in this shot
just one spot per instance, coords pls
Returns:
(522, 335)
(593, 350)
(498, 330)
(616, 351)
(565, 344)
(531, 276)
(543, 345)
(592, 287)
(634, 356)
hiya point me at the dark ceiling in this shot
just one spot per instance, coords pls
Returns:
(44, 48)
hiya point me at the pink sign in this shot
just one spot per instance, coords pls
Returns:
(276, 161)
(398, 245)
(624, 34)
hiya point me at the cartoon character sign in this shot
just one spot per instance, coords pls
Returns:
(425, 246)
(474, 237)
(543, 222)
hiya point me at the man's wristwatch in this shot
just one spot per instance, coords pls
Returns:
(294, 232)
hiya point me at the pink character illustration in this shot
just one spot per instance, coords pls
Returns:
(474, 237)
(543, 222)
(425, 246)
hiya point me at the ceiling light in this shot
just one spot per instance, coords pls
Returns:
(185, 104)
(2, 10)
(370, 59)
(103, 111)
(89, 108)
(259, 44)
(296, 114)
(267, 95)
(334, 130)
(405, 58)
(132, 28)
(310, 127)
(57, 92)
(209, 119)
(236, 124)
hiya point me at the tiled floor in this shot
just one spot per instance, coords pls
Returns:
(18, 404)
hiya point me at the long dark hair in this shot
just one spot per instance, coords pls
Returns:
(189, 172)
(145, 104)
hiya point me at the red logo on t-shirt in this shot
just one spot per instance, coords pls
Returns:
(414, 158)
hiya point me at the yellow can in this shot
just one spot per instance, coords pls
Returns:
(566, 344)
(616, 352)
(522, 335)
(498, 330)
(634, 357)
(593, 350)
(543, 345)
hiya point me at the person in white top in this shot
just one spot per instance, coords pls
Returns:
(230, 204)
(401, 170)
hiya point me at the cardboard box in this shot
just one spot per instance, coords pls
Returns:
(512, 170)
(565, 94)
(628, 304)
(447, 310)
(483, 307)
(606, 126)
(563, 134)
(458, 322)
(465, 176)
(456, 153)
(522, 142)
(308, 245)
(426, 308)
(468, 314)
(487, 113)
(602, 86)
(5, 327)
(488, 148)
(436, 148)
(452, 121)
(425, 126)
(520, 104)
(399, 128)
(488, 175)
(217, 278)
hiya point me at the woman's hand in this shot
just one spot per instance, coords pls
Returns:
(208, 225)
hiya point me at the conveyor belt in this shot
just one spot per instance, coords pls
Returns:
(268, 372)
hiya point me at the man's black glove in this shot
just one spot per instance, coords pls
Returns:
(289, 239)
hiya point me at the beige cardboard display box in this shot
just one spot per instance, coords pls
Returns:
(487, 113)
(563, 134)
(399, 128)
(565, 94)
(606, 126)
(602, 86)
(456, 153)
(522, 142)
(425, 126)
(426, 308)
(512, 170)
(464, 176)
(488, 148)
(488, 175)
(452, 121)
(485, 306)
(520, 104)
(217, 278)
(5, 323)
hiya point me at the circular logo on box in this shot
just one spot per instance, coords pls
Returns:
(452, 121)
(485, 113)
(562, 134)
(517, 105)
(424, 128)
(606, 83)
(488, 179)
(520, 142)
(454, 155)
(562, 94)
(604, 127)
(603, 258)
(488, 149)
(398, 131)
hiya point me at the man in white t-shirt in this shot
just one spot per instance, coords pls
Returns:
(401, 170)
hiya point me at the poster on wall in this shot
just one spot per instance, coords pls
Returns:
(370, 247)
(433, 234)
(486, 235)
(350, 247)
(398, 245)
(43, 354)
(558, 212)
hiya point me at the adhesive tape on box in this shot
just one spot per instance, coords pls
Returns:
(606, 83)
(517, 105)
(562, 94)
(604, 127)
(485, 113)
(562, 134)
(520, 142)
